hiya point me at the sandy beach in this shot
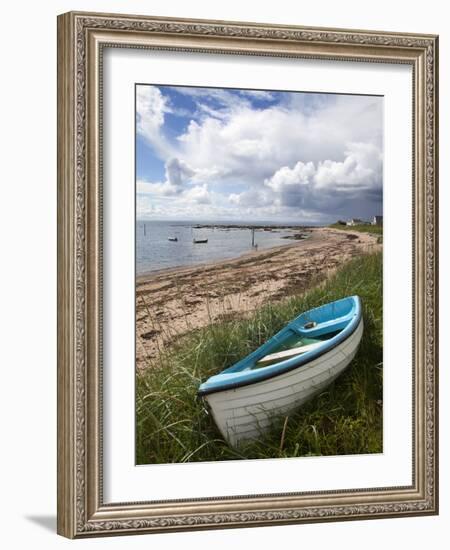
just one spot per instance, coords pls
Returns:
(171, 303)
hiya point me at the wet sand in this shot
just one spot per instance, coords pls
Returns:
(173, 302)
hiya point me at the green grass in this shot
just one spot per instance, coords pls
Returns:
(172, 425)
(363, 228)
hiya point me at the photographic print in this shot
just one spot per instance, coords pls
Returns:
(259, 234)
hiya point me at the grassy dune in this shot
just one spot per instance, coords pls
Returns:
(363, 228)
(172, 425)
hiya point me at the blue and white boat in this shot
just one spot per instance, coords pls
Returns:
(285, 372)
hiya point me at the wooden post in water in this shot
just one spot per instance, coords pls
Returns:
(253, 237)
(145, 233)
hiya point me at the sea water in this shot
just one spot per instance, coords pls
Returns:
(154, 251)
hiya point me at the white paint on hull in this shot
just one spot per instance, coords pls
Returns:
(246, 412)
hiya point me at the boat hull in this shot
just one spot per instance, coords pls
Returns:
(245, 413)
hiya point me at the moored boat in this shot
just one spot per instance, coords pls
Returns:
(200, 241)
(289, 369)
(173, 239)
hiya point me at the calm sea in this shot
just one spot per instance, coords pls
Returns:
(154, 250)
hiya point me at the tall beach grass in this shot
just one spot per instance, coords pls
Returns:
(173, 426)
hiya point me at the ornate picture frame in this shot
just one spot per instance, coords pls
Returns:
(82, 37)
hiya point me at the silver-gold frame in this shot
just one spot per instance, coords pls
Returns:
(81, 39)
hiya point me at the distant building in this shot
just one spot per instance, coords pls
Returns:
(355, 221)
(377, 220)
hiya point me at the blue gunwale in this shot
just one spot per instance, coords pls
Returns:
(343, 315)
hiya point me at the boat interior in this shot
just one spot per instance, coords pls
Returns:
(303, 339)
(308, 332)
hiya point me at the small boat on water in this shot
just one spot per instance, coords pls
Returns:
(173, 239)
(289, 369)
(200, 241)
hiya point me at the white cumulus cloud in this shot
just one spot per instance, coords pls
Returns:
(151, 107)
(326, 185)
(198, 194)
(319, 154)
(362, 168)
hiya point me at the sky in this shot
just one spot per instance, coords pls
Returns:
(251, 155)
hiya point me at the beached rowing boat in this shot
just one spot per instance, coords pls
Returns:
(285, 372)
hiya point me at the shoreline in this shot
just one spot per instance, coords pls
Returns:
(172, 302)
(149, 275)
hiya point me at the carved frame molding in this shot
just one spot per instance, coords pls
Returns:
(81, 39)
